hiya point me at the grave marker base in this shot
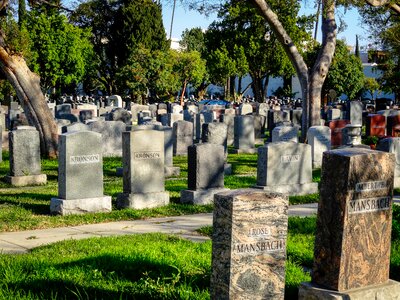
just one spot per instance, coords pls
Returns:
(40, 179)
(291, 189)
(227, 169)
(200, 197)
(80, 206)
(385, 291)
(140, 201)
(245, 151)
(171, 171)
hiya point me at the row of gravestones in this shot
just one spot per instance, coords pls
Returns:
(352, 243)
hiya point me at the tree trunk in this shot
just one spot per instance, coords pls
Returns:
(27, 87)
(257, 87)
(183, 91)
(311, 101)
(323, 62)
(265, 86)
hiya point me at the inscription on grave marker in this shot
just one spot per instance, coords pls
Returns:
(370, 186)
(147, 155)
(369, 205)
(84, 159)
(290, 158)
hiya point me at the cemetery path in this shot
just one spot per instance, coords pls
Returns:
(184, 226)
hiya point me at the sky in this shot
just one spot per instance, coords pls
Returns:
(185, 18)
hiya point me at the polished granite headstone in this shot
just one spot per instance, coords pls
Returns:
(249, 245)
(352, 244)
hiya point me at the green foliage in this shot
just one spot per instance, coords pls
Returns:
(190, 67)
(345, 74)
(371, 86)
(193, 40)
(241, 42)
(16, 37)
(60, 51)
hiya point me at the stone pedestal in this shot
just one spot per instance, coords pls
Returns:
(292, 189)
(141, 201)
(200, 197)
(80, 206)
(385, 291)
(26, 180)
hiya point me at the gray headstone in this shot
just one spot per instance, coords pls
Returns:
(75, 127)
(355, 112)
(183, 136)
(143, 170)
(215, 133)
(111, 132)
(244, 132)
(245, 109)
(229, 121)
(285, 167)
(319, 138)
(285, 134)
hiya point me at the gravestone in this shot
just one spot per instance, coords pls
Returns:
(120, 114)
(169, 169)
(245, 109)
(85, 115)
(183, 137)
(111, 132)
(172, 118)
(352, 244)
(201, 118)
(285, 134)
(263, 109)
(63, 109)
(244, 135)
(259, 129)
(135, 109)
(25, 168)
(296, 115)
(392, 145)
(355, 110)
(336, 131)
(75, 127)
(217, 133)
(115, 100)
(285, 167)
(319, 138)
(393, 125)
(80, 175)
(249, 245)
(205, 173)
(143, 170)
(229, 121)
(334, 114)
(376, 125)
(275, 117)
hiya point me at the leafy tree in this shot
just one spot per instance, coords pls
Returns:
(346, 75)
(60, 52)
(371, 86)
(193, 40)
(250, 42)
(151, 71)
(191, 69)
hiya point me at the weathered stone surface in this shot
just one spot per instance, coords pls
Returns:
(376, 125)
(215, 133)
(355, 110)
(385, 291)
(229, 121)
(205, 166)
(249, 245)
(80, 206)
(80, 165)
(200, 197)
(244, 132)
(245, 109)
(352, 245)
(183, 137)
(259, 128)
(111, 132)
(285, 167)
(39, 179)
(142, 200)
(24, 149)
(334, 114)
(392, 145)
(285, 134)
(115, 100)
(75, 127)
(319, 138)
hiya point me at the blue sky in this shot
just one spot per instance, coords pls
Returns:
(185, 18)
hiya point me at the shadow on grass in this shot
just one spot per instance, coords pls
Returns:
(29, 201)
(139, 278)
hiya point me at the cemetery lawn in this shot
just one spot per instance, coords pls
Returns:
(28, 208)
(148, 266)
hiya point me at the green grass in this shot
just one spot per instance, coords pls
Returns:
(29, 207)
(148, 266)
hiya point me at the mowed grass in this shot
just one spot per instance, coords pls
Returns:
(148, 266)
(27, 208)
